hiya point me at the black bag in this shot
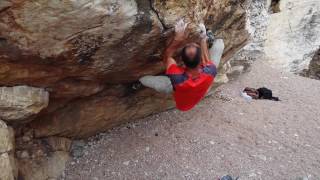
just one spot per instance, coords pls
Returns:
(265, 93)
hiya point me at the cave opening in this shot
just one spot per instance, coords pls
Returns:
(275, 6)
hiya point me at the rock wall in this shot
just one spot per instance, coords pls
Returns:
(20, 102)
(40, 159)
(257, 24)
(293, 35)
(89, 54)
(314, 67)
(7, 146)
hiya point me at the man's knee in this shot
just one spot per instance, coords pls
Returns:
(148, 81)
(161, 84)
(216, 51)
(218, 46)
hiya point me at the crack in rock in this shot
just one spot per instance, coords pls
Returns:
(158, 16)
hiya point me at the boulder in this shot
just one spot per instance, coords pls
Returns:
(314, 66)
(6, 138)
(293, 34)
(40, 159)
(86, 117)
(7, 160)
(50, 167)
(257, 24)
(7, 166)
(20, 102)
(89, 55)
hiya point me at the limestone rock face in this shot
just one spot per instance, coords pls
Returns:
(314, 66)
(7, 166)
(293, 35)
(257, 24)
(42, 159)
(89, 54)
(20, 102)
(7, 160)
(46, 168)
(6, 138)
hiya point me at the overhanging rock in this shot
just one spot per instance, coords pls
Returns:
(89, 54)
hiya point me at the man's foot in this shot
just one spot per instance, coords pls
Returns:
(136, 85)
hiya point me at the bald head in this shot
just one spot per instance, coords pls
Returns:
(191, 55)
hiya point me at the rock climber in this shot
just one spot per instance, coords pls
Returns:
(191, 82)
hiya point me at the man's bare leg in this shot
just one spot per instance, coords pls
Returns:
(161, 84)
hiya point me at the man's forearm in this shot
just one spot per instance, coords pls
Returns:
(179, 37)
(171, 49)
(204, 51)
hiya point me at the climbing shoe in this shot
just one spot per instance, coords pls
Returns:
(210, 38)
(136, 85)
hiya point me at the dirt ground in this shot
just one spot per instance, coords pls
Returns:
(223, 135)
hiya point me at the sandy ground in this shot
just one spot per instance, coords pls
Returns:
(224, 134)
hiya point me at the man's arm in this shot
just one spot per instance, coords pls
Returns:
(204, 46)
(204, 51)
(176, 42)
(169, 52)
